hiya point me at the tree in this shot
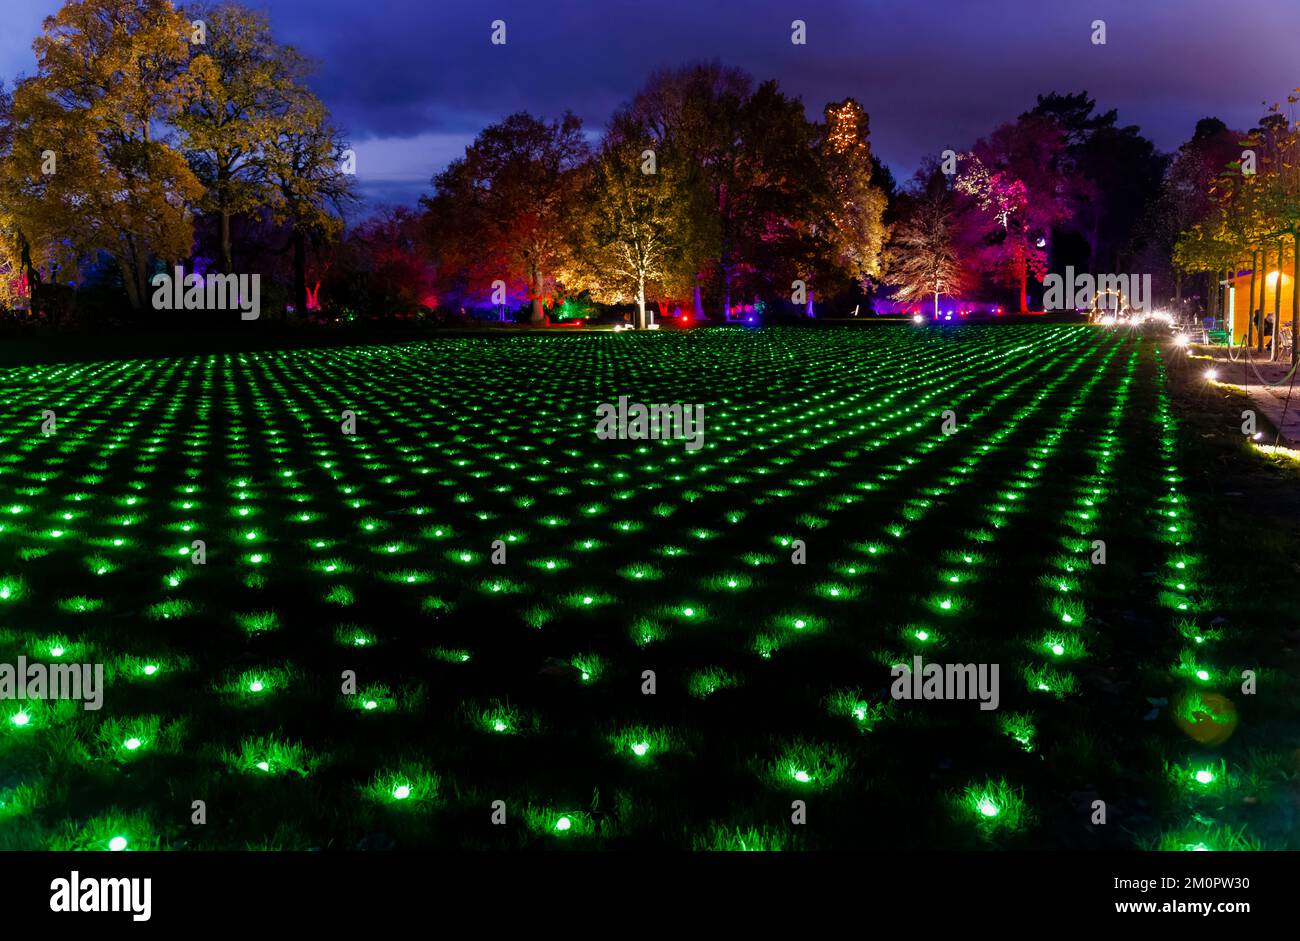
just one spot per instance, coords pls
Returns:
(310, 192)
(12, 277)
(627, 232)
(922, 258)
(1016, 190)
(382, 268)
(111, 77)
(1185, 201)
(695, 112)
(1114, 174)
(244, 81)
(854, 223)
(501, 211)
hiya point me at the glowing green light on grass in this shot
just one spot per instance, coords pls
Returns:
(1202, 675)
(800, 624)
(131, 744)
(20, 718)
(803, 777)
(988, 808)
(117, 844)
(688, 612)
(150, 669)
(401, 792)
(264, 766)
(1204, 777)
(1058, 649)
(922, 635)
(56, 651)
(640, 749)
(498, 725)
(255, 686)
(563, 824)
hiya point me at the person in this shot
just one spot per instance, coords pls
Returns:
(1268, 332)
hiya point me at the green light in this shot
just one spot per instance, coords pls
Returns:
(1202, 675)
(56, 651)
(255, 686)
(117, 844)
(803, 777)
(132, 744)
(401, 792)
(640, 749)
(563, 824)
(1058, 649)
(1205, 777)
(371, 704)
(689, 612)
(988, 808)
(264, 766)
(20, 718)
(922, 635)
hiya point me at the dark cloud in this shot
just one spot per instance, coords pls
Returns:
(932, 73)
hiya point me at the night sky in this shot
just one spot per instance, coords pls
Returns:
(412, 81)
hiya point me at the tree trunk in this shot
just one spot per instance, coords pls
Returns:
(1024, 287)
(1178, 287)
(640, 305)
(538, 315)
(227, 252)
(1295, 295)
(129, 282)
(1264, 295)
(300, 273)
(1250, 306)
(1277, 303)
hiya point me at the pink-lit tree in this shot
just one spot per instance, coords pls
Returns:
(1014, 191)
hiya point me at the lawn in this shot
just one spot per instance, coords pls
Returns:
(473, 624)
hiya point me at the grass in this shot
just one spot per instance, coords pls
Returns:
(474, 625)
